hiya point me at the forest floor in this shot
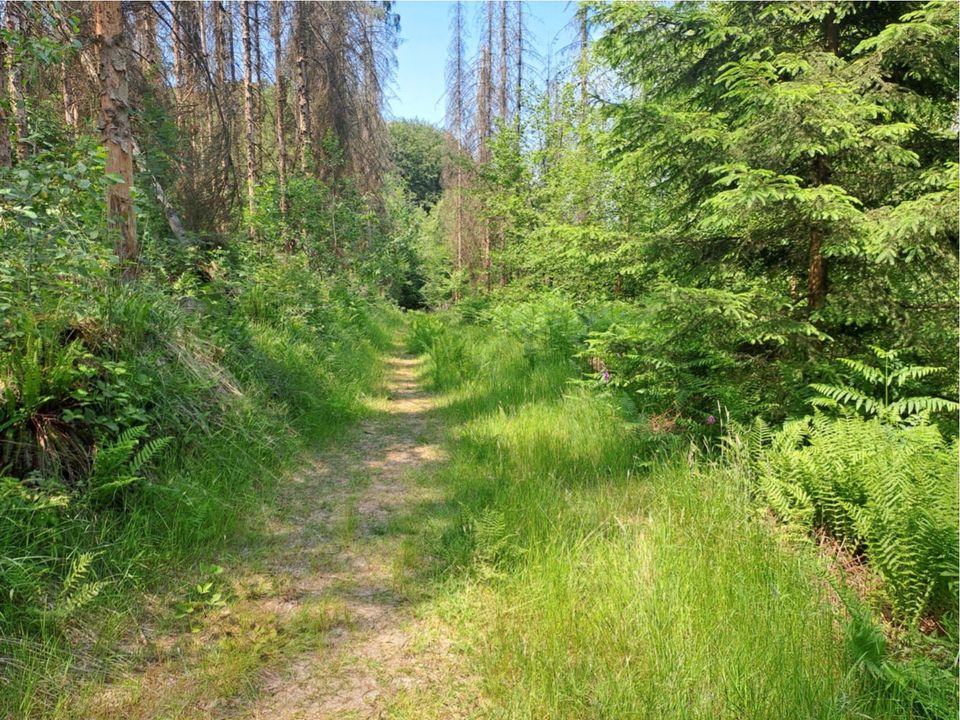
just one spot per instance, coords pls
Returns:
(321, 615)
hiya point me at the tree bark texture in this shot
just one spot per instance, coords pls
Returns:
(115, 128)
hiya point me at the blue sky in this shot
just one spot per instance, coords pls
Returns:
(417, 91)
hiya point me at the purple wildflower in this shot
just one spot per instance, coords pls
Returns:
(711, 420)
(606, 376)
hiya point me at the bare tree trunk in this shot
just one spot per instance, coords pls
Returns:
(259, 110)
(179, 59)
(583, 63)
(147, 38)
(816, 263)
(71, 111)
(504, 64)
(231, 56)
(14, 22)
(456, 120)
(518, 59)
(248, 109)
(220, 46)
(280, 91)
(115, 127)
(303, 106)
(5, 156)
(205, 60)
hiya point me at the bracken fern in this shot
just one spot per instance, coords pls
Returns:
(890, 491)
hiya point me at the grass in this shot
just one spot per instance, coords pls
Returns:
(582, 568)
(242, 392)
(593, 578)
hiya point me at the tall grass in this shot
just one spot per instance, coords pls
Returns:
(599, 580)
(240, 390)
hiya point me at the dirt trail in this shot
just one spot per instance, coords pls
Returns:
(333, 577)
(356, 491)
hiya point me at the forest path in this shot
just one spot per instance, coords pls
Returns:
(326, 617)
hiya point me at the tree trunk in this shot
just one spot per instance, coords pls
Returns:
(220, 46)
(115, 127)
(231, 57)
(816, 263)
(518, 59)
(208, 100)
(259, 110)
(5, 157)
(71, 111)
(15, 12)
(280, 92)
(147, 38)
(179, 60)
(504, 64)
(248, 109)
(303, 106)
(584, 67)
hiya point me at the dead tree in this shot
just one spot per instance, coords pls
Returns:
(116, 131)
(15, 29)
(248, 103)
(280, 94)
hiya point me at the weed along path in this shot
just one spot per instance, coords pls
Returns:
(322, 619)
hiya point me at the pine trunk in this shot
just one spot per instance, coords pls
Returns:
(518, 59)
(259, 110)
(18, 105)
(280, 92)
(303, 106)
(115, 128)
(248, 109)
(5, 156)
(816, 263)
(504, 64)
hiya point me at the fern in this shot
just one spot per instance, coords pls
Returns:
(118, 464)
(75, 593)
(884, 399)
(490, 536)
(887, 490)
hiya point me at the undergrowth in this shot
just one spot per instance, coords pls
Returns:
(142, 425)
(610, 566)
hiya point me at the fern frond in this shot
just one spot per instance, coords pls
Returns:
(914, 405)
(846, 395)
(867, 372)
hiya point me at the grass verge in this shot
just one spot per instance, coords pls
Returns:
(597, 573)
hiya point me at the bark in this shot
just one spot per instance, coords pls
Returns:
(584, 66)
(220, 45)
(116, 131)
(456, 116)
(71, 110)
(303, 105)
(231, 57)
(205, 61)
(147, 38)
(179, 59)
(504, 64)
(281, 93)
(518, 59)
(816, 263)
(248, 107)
(14, 22)
(260, 111)
(5, 156)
